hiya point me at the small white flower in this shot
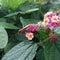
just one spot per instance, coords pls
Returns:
(54, 19)
(39, 23)
(48, 13)
(30, 35)
(46, 21)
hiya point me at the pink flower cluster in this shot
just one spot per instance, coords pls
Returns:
(52, 20)
(31, 29)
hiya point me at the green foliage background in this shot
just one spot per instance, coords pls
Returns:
(15, 14)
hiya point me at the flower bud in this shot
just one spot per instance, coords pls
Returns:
(53, 37)
(47, 29)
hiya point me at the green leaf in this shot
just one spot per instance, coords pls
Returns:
(54, 0)
(8, 25)
(52, 51)
(55, 4)
(31, 0)
(2, 20)
(29, 11)
(57, 30)
(9, 46)
(28, 7)
(12, 14)
(3, 37)
(24, 12)
(36, 15)
(21, 37)
(23, 51)
(40, 54)
(47, 6)
(13, 4)
(28, 21)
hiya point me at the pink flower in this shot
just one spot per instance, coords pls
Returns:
(54, 19)
(39, 23)
(52, 25)
(32, 28)
(49, 14)
(46, 21)
(29, 35)
(53, 14)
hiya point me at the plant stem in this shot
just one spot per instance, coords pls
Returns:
(40, 42)
(45, 40)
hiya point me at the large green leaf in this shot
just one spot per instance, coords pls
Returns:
(10, 45)
(2, 20)
(23, 51)
(8, 25)
(21, 37)
(52, 51)
(28, 21)
(40, 54)
(3, 37)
